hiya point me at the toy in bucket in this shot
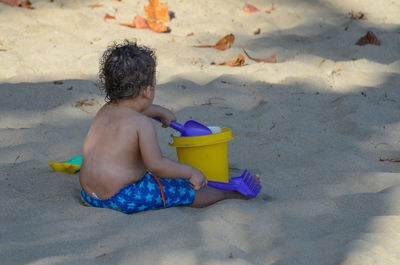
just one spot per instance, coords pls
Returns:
(190, 128)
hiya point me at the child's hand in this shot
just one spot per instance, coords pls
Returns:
(166, 116)
(197, 180)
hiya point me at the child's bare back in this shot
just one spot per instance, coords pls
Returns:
(111, 153)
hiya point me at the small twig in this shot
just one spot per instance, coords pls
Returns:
(15, 161)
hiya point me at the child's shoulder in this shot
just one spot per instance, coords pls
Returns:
(126, 116)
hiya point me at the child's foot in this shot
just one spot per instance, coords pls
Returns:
(238, 195)
(85, 203)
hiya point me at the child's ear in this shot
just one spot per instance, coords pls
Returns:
(146, 92)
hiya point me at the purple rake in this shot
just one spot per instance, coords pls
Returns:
(245, 184)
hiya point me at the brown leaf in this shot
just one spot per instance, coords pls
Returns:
(389, 160)
(58, 82)
(258, 31)
(357, 16)
(24, 4)
(190, 34)
(271, 9)
(107, 16)
(239, 61)
(156, 11)
(223, 44)
(250, 8)
(369, 38)
(271, 59)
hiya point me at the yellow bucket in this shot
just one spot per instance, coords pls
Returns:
(207, 153)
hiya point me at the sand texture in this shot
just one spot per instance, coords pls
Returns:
(315, 125)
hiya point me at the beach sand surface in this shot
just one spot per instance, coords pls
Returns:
(314, 125)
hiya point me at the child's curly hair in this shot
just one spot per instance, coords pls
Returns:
(125, 69)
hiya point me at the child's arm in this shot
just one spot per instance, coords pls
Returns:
(161, 166)
(165, 115)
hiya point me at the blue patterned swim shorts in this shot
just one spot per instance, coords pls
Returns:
(146, 194)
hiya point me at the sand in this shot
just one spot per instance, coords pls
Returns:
(314, 125)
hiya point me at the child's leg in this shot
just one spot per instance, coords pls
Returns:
(208, 195)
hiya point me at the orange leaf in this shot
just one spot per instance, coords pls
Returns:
(131, 25)
(238, 62)
(270, 10)
(271, 59)
(95, 5)
(157, 27)
(84, 102)
(369, 38)
(223, 44)
(88, 112)
(140, 22)
(107, 16)
(250, 8)
(156, 11)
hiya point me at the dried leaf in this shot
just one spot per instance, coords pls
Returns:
(95, 5)
(190, 34)
(268, 11)
(357, 16)
(89, 112)
(107, 16)
(138, 22)
(271, 59)
(130, 25)
(58, 82)
(389, 160)
(84, 102)
(24, 4)
(141, 23)
(156, 11)
(223, 44)
(158, 27)
(258, 31)
(369, 38)
(239, 61)
(250, 8)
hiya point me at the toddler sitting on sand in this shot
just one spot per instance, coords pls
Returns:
(123, 167)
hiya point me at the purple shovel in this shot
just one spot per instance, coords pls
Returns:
(190, 128)
(245, 184)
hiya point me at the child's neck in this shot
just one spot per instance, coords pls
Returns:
(136, 104)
